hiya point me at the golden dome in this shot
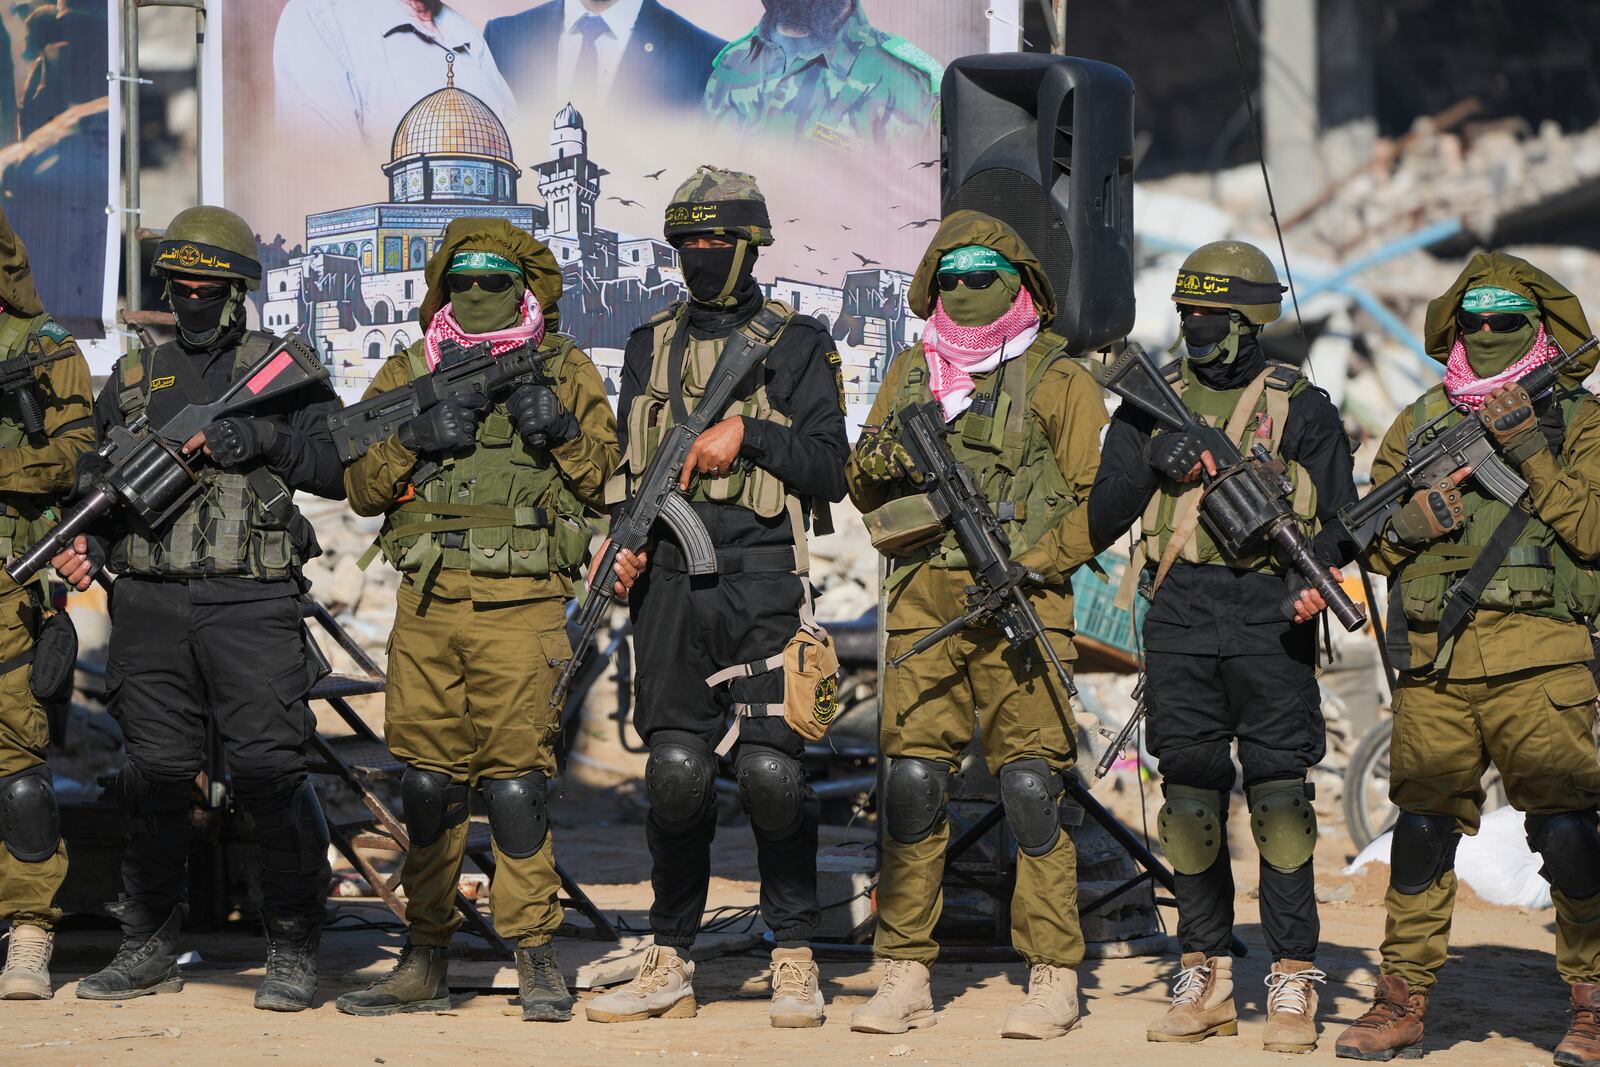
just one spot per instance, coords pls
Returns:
(451, 122)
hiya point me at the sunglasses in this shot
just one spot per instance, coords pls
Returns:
(1499, 322)
(489, 283)
(973, 279)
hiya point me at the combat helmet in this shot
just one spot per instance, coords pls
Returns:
(719, 203)
(1231, 274)
(212, 242)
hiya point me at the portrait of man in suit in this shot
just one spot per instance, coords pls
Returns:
(589, 52)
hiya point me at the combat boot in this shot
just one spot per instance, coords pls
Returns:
(1051, 1008)
(144, 963)
(27, 973)
(291, 980)
(1292, 1006)
(1394, 1022)
(1581, 1046)
(545, 998)
(420, 981)
(796, 989)
(663, 989)
(1202, 1002)
(904, 1001)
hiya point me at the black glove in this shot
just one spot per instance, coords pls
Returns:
(448, 426)
(91, 467)
(1173, 454)
(539, 417)
(235, 441)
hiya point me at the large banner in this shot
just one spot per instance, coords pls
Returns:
(58, 158)
(349, 132)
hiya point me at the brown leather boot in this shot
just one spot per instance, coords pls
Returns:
(1394, 1022)
(1581, 1046)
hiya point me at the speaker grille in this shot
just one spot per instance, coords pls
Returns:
(1019, 201)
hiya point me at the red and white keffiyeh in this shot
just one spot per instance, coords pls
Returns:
(443, 327)
(955, 353)
(1464, 387)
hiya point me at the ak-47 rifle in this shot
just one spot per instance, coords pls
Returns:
(1430, 464)
(657, 495)
(147, 472)
(17, 380)
(961, 506)
(462, 372)
(1245, 505)
(1121, 739)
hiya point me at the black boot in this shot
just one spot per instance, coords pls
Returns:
(419, 982)
(145, 963)
(291, 979)
(545, 998)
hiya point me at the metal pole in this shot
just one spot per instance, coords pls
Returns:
(199, 101)
(1058, 39)
(130, 152)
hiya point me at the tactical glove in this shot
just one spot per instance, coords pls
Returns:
(880, 457)
(539, 417)
(1430, 513)
(235, 441)
(1508, 415)
(1173, 454)
(448, 426)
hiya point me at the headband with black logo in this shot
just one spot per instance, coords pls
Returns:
(1197, 285)
(195, 256)
(685, 218)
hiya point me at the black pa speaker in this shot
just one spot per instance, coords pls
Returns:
(1045, 144)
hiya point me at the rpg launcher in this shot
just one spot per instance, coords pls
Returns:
(998, 597)
(146, 471)
(17, 380)
(658, 496)
(462, 372)
(1442, 452)
(1245, 505)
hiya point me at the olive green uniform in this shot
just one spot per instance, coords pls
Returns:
(1052, 411)
(32, 477)
(479, 633)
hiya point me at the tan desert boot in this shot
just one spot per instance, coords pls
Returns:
(1292, 1006)
(1202, 1002)
(904, 1001)
(1051, 1008)
(663, 989)
(27, 972)
(1394, 1022)
(796, 989)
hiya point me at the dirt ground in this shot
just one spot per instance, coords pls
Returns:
(1499, 1002)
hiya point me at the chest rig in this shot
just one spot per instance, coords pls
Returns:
(24, 520)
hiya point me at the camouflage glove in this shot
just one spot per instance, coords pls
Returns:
(235, 441)
(1508, 415)
(539, 417)
(448, 426)
(880, 457)
(1430, 513)
(1173, 454)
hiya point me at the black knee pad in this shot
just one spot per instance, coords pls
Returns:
(294, 835)
(1031, 790)
(680, 778)
(773, 787)
(30, 822)
(1569, 844)
(433, 803)
(518, 816)
(918, 792)
(1422, 852)
(152, 805)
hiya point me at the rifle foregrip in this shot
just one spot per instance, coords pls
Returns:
(32, 415)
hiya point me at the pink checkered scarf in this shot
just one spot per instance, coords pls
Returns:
(955, 353)
(443, 327)
(1467, 389)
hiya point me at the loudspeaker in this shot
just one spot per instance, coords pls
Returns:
(1045, 144)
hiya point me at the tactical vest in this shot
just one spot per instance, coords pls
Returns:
(1000, 440)
(651, 414)
(23, 521)
(500, 510)
(228, 528)
(1539, 575)
(1254, 414)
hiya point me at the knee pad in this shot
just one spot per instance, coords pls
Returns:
(294, 835)
(30, 822)
(1570, 846)
(1030, 790)
(518, 816)
(1423, 850)
(773, 787)
(1283, 822)
(152, 805)
(1192, 825)
(918, 791)
(680, 778)
(432, 804)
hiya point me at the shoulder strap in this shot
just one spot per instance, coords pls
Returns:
(730, 46)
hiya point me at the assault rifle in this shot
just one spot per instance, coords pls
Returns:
(17, 380)
(658, 496)
(147, 472)
(1121, 739)
(1428, 465)
(462, 371)
(961, 506)
(1245, 505)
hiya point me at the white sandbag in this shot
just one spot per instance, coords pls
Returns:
(1497, 863)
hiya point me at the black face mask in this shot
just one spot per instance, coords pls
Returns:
(200, 321)
(706, 272)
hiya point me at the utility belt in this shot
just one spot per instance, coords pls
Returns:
(773, 560)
